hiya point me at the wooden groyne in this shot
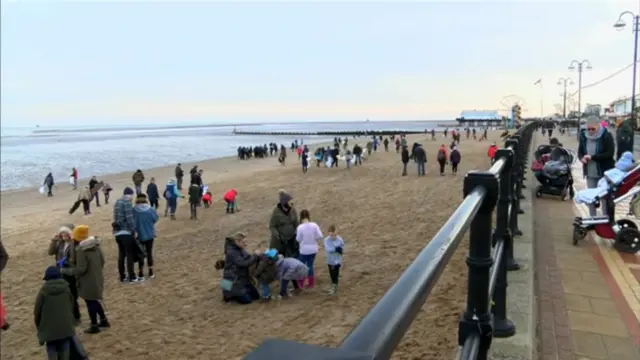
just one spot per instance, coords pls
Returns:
(329, 133)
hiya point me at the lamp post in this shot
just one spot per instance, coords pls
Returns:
(620, 24)
(581, 66)
(564, 82)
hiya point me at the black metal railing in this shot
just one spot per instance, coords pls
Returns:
(497, 190)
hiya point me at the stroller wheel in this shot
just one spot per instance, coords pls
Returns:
(578, 234)
(538, 193)
(627, 224)
(563, 195)
(627, 241)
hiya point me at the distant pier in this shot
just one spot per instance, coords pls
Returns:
(329, 133)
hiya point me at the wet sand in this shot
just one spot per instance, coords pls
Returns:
(384, 218)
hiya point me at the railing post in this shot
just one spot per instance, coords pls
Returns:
(477, 316)
(504, 327)
(508, 196)
(515, 200)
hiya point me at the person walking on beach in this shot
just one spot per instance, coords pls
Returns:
(386, 144)
(106, 189)
(455, 158)
(179, 175)
(404, 157)
(420, 156)
(442, 158)
(84, 196)
(62, 246)
(308, 235)
(283, 225)
(145, 218)
(491, 152)
(357, 154)
(195, 195)
(152, 193)
(305, 161)
(124, 230)
(333, 247)
(94, 187)
(74, 178)
(4, 258)
(282, 158)
(171, 194)
(48, 182)
(138, 179)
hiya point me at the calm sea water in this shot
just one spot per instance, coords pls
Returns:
(28, 154)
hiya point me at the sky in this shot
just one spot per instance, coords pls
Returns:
(125, 62)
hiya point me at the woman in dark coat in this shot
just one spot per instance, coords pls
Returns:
(236, 282)
(283, 225)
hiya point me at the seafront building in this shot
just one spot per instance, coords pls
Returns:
(472, 118)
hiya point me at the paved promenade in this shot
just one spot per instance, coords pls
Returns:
(588, 295)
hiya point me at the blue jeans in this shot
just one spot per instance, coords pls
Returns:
(420, 169)
(266, 291)
(57, 347)
(308, 260)
(172, 203)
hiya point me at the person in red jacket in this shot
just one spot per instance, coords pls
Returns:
(230, 197)
(491, 153)
(207, 198)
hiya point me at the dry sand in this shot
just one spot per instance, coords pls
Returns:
(384, 218)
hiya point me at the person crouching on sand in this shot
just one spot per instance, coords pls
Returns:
(152, 193)
(171, 194)
(236, 281)
(290, 269)
(62, 246)
(266, 271)
(207, 199)
(52, 314)
(195, 194)
(89, 275)
(145, 218)
(231, 199)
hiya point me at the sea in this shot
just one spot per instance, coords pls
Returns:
(28, 154)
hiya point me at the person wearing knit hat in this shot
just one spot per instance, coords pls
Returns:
(80, 233)
(124, 230)
(62, 247)
(53, 314)
(283, 224)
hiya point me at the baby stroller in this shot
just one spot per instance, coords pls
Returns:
(623, 231)
(552, 168)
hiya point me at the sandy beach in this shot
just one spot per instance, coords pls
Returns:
(384, 218)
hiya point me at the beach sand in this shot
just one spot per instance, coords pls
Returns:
(384, 218)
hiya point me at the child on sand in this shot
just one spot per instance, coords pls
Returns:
(266, 271)
(231, 198)
(207, 199)
(194, 199)
(171, 194)
(290, 269)
(53, 315)
(333, 246)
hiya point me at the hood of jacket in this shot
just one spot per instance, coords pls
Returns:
(142, 207)
(55, 287)
(90, 243)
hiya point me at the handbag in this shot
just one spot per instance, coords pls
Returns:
(226, 284)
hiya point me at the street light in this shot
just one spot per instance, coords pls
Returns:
(581, 65)
(564, 82)
(620, 25)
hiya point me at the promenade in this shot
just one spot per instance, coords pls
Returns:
(588, 296)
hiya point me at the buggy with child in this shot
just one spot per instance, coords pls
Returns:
(552, 169)
(617, 185)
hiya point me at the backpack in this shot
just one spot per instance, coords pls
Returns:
(442, 156)
(168, 193)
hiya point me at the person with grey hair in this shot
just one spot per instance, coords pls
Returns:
(596, 150)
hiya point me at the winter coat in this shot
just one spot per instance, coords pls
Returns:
(195, 194)
(88, 270)
(179, 172)
(605, 152)
(152, 192)
(420, 155)
(56, 248)
(455, 156)
(138, 177)
(291, 269)
(145, 218)
(236, 268)
(85, 193)
(48, 180)
(4, 257)
(283, 225)
(491, 153)
(266, 270)
(404, 155)
(53, 311)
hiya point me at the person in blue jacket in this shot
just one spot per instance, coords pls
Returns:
(145, 218)
(171, 193)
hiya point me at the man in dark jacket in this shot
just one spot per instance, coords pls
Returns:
(179, 176)
(236, 284)
(420, 157)
(404, 156)
(624, 138)
(283, 224)
(596, 150)
(94, 187)
(124, 230)
(138, 179)
(357, 153)
(153, 194)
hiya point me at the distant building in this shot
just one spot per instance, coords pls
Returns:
(622, 106)
(479, 118)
